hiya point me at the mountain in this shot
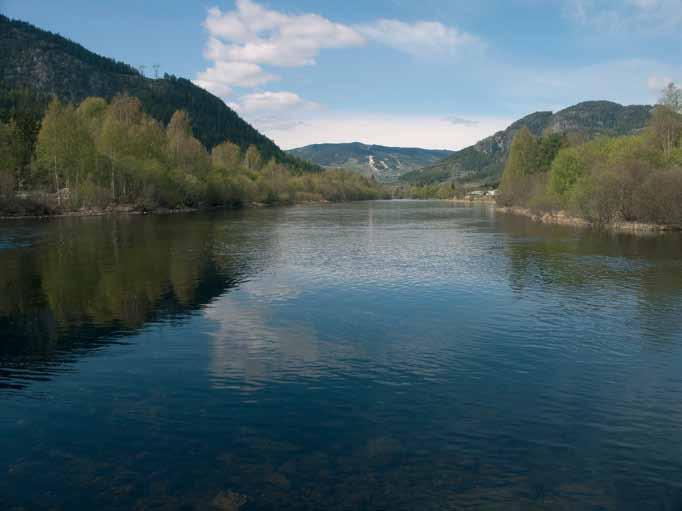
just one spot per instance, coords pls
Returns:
(48, 64)
(384, 163)
(483, 162)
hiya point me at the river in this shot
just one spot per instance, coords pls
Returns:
(396, 355)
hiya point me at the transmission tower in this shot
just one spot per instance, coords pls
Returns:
(156, 71)
(143, 68)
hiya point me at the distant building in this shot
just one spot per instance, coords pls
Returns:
(476, 193)
(481, 194)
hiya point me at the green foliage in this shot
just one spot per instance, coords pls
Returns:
(665, 130)
(442, 191)
(608, 179)
(226, 156)
(567, 168)
(9, 158)
(528, 156)
(101, 154)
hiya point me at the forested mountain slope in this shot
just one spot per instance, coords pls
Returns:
(484, 161)
(48, 64)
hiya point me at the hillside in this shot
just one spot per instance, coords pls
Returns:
(50, 65)
(483, 162)
(384, 163)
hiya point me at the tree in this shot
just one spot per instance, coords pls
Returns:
(671, 97)
(63, 146)
(187, 153)
(521, 162)
(10, 157)
(566, 169)
(226, 156)
(112, 141)
(546, 150)
(665, 129)
(131, 140)
(252, 158)
(93, 109)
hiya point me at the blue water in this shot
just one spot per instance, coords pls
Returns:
(386, 355)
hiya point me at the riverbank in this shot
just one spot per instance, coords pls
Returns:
(121, 209)
(563, 218)
(129, 209)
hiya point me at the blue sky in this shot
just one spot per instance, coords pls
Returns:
(429, 73)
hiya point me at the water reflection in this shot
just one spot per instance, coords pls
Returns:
(591, 269)
(75, 285)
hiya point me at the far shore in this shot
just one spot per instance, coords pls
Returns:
(563, 218)
(129, 209)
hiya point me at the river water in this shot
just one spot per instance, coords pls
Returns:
(376, 356)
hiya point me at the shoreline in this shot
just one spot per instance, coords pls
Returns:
(562, 218)
(109, 211)
(127, 209)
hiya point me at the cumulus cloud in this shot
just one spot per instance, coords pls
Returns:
(243, 42)
(262, 36)
(420, 38)
(223, 75)
(272, 102)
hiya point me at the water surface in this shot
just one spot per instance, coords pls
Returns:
(386, 355)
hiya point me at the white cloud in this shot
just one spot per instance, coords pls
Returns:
(271, 102)
(423, 38)
(222, 76)
(247, 41)
(258, 35)
(243, 42)
(403, 131)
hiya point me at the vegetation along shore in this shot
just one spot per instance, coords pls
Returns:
(110, 157)
(627, 183)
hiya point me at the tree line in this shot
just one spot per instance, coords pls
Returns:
(98, 154)
(635, 178)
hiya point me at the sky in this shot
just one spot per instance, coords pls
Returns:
(413, 73)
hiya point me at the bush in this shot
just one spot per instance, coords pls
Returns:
(660, 198)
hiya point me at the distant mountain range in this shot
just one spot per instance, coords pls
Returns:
(483, 162)
(51, 65)
(386, 164)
